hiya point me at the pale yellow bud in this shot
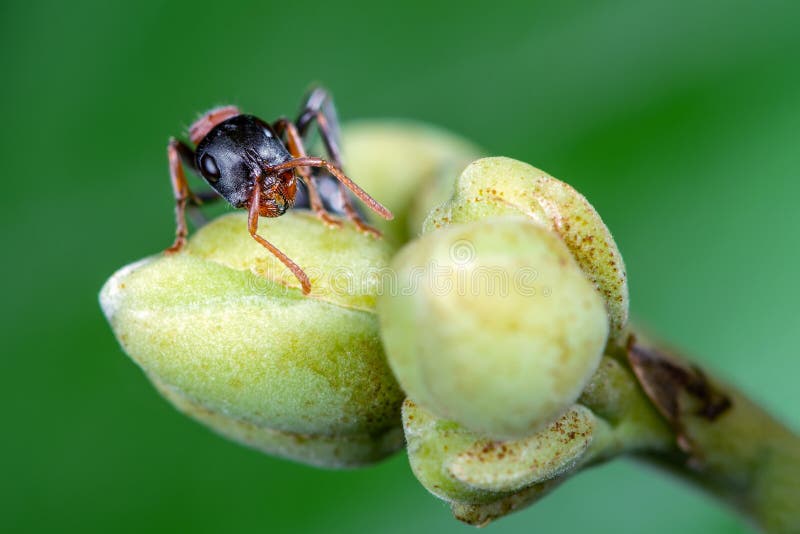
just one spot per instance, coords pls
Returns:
(493, 325)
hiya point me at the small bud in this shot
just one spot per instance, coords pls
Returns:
(224, 332)
(503, 186)
(484, 479)
(409, 166)
(464, 468)
(493, 325)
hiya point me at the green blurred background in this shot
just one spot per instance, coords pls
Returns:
(680, 121)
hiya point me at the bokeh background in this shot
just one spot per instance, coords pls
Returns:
(680, 121)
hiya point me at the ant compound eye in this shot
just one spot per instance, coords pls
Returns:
(209, 167)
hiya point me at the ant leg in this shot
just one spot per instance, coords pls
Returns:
(252, 227)
(176, 151)
(353, 214)
(373, 204)
(200, 128)
(318, 103)
(330, 144)
(179, 154)
(319, 106)
(196, 200)
(296, 148)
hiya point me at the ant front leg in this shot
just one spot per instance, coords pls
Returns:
(180, 154)
(252, 227)
(297, 150)
(177, 151)
(319, 106)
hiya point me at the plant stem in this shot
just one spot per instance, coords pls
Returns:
(725, 443)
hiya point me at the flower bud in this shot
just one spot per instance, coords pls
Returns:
(464, 468)
(484, 479)
(503, 186)
(493, 325)
(409, 166)
(225, 334)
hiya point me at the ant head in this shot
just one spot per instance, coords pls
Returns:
(232, 159)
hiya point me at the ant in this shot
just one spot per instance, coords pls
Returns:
(252, 165)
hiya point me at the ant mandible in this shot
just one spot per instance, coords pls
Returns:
(247, 162)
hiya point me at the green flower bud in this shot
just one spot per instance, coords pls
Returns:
(224, 332)
(493, 325)
(464, 468)
(484, 479)
(410, 166)
(503, 186)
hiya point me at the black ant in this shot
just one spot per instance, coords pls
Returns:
(252, 165)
